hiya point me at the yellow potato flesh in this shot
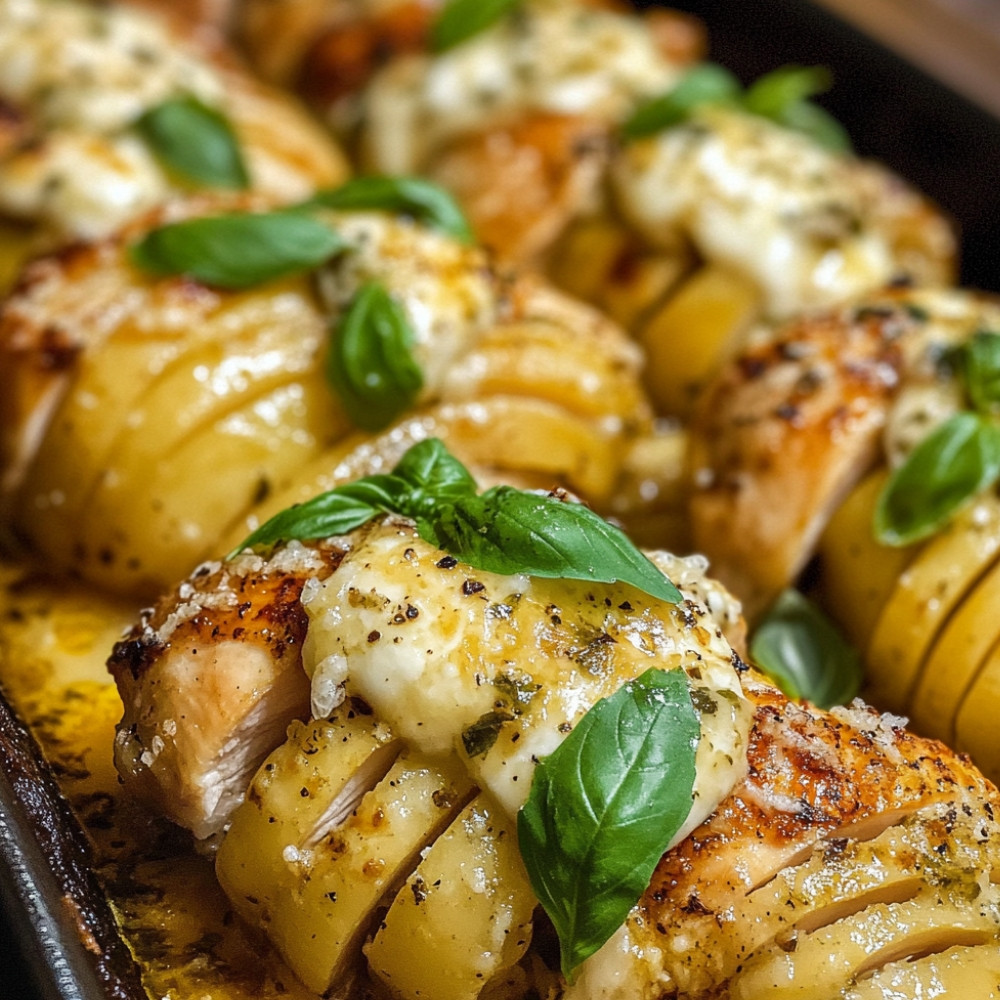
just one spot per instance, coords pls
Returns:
(955, 659)
(136, 401)
(958, 972)
(820, 964)
(314, 884)
(549, 362)
(692, 334)
(858, 573)
(976, 721)
(932, 586)
(463, 916)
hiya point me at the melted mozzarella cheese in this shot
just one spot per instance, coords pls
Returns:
(81, 75)
(764, 199)
(446, 289)
(547, 56)
(92, 67)
(500, 668)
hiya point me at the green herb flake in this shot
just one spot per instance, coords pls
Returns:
(238, 249)
(424, 201)
(604, 807)
(195, 142)
(805, 654)
(939, 477)
(460, 20)
(479, 738)
(370, 364)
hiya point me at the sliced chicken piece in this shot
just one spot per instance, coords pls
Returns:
(851, 845)
(210, 679)
(522, 184)
(791, 425)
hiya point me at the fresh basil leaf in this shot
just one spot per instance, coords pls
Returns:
(980, 365)
(460, 20)
(239, 249)
(771, 93)
(946, 470)
(370, 363)
(426, 202)
(195, 141)
(818, 124)
(434, 476)
(707, 83)
(335, 512)
(605, 805)
(800, 649)
(506, 530)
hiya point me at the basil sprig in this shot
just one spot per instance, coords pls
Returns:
(425, 201)
(238, 249)
(957, 460)
(800, 649)
(370, 363)
(460, 20)
(504, 530)
(706, 83)
(781, 96)
(605, 805)
(195, 142)
(945, 471)
(243, 249)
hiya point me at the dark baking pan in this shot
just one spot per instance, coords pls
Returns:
(57, 938)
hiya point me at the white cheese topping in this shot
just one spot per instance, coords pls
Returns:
(446, 290)
(766, 200)
(546, 56)
(80, 75)
(500, 668)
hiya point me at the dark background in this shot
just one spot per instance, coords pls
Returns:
(941, 143)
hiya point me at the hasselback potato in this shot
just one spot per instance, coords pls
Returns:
(147, 418)
(834, 854)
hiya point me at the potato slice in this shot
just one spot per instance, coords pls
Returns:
(816, 966)
(958, 972)
(150, 523)
(463, 916)
(976, 721)
(580, 370)
(858, 573)
(693, 333)
(933, 584)
(329, 827)
(955, 659)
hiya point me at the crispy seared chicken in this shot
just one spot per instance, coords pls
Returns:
(825, 854)
(792, 424)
